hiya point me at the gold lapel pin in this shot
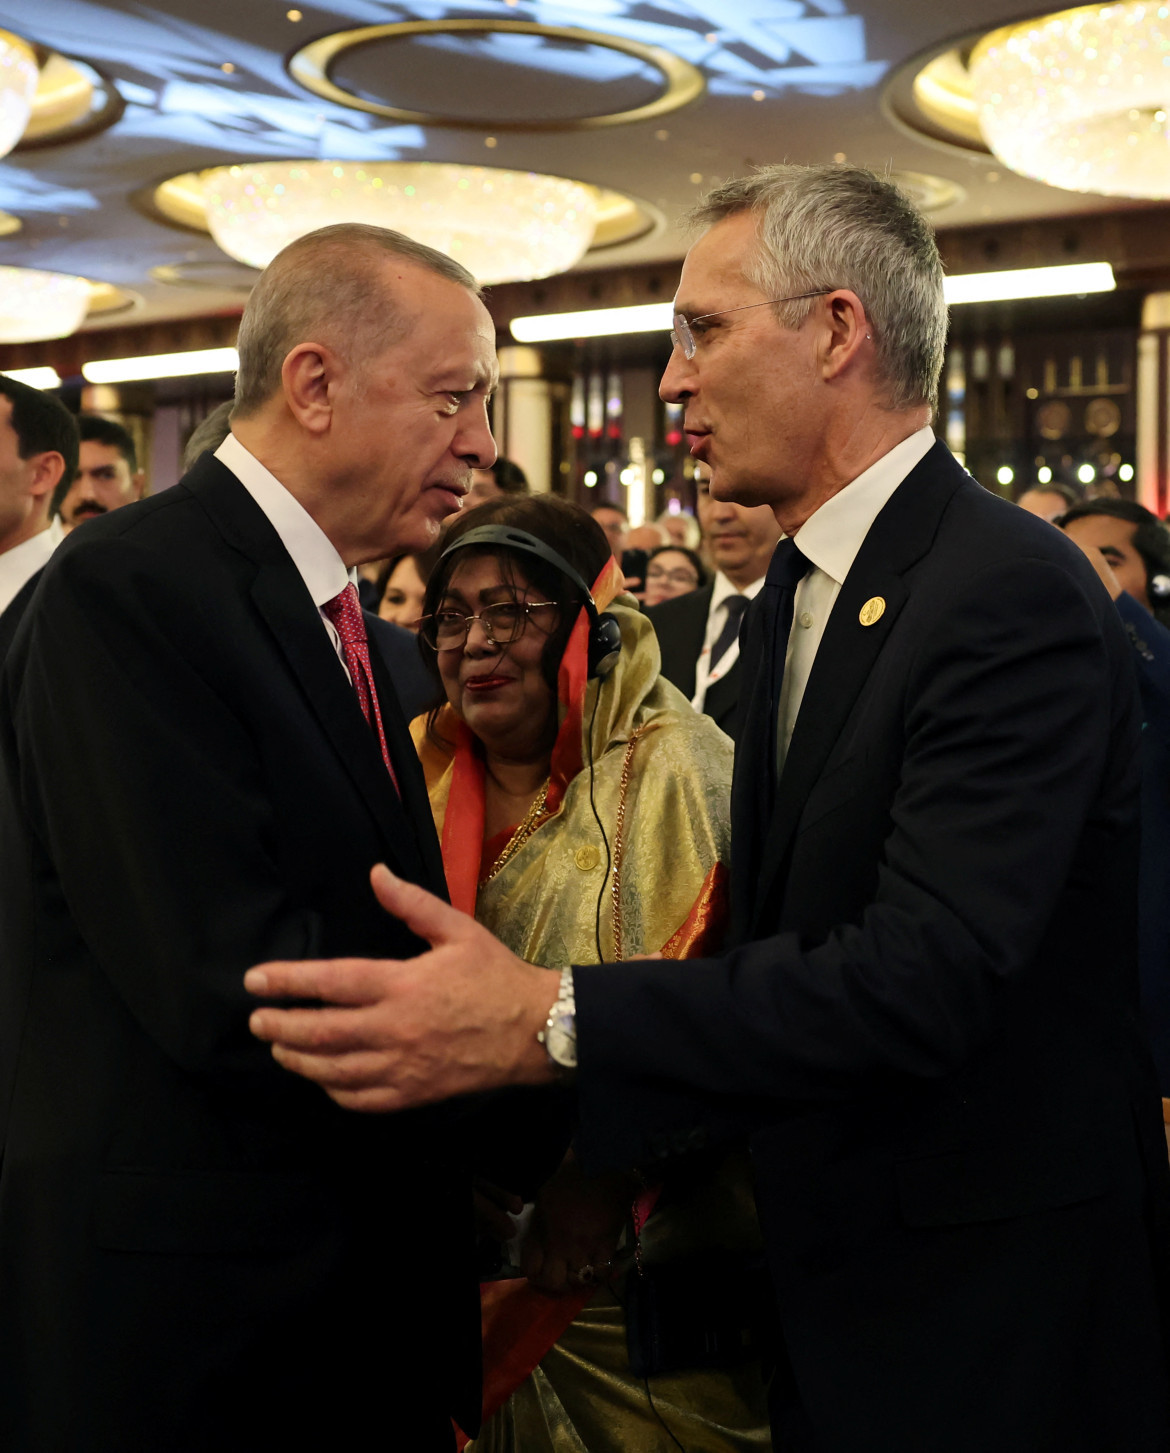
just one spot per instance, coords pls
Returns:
(872, 611)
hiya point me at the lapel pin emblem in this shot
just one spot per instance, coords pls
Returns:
(872, 611)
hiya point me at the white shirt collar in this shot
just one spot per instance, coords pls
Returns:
(21, 563)
(833, 534)
(313, 553)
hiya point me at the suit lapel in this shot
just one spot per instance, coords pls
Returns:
(283, 601)
(898, 538)
(682, 631)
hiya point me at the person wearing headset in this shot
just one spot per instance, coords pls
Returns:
(583, 810)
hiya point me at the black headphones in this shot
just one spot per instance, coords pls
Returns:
(605, 634)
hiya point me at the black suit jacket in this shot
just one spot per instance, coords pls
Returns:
(929, 1023)
(13, 613)
(414, 686)
(198, 1249)
(681, 626)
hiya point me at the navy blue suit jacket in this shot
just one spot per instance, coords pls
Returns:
(1150, 646)
(928, 1023)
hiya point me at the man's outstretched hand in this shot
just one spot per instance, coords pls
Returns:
(396, 1033)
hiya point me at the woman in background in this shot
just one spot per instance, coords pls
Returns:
(672, 570)
(402, 588)
(582, 807)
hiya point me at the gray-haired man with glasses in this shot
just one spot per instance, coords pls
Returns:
(925, 1019)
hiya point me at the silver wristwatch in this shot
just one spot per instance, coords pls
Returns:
(559, 1035)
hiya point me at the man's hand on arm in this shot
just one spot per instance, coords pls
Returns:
(393, 1034)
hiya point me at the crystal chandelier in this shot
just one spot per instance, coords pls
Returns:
(1080, 99)
(35, 305)
(503, 226)
(19, 74)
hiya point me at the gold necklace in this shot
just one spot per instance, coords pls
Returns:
(522, 833)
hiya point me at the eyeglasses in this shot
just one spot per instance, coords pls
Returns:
(682, 335)
(676, 577)
(447, 630)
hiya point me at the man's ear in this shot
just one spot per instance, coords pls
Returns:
(47, 469)
(309, 376)
(846, 331)
(138, 483)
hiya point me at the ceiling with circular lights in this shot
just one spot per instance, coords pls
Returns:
(614, 114)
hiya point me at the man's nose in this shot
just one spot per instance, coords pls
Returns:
(476, 446)
(678, 381)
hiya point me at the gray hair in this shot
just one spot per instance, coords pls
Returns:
(845, 227)
(326, 285)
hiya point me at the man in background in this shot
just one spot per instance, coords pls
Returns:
(107, 477)
(699, 632)
(1047, 500)
(38, 455)
(1129, 547)
(615, 522)
(1134, 543)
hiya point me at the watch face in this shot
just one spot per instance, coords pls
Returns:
(561, 1040)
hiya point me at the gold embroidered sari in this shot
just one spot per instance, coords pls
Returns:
(660, 782)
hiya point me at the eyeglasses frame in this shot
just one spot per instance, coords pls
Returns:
(528, 606)
(681, 334)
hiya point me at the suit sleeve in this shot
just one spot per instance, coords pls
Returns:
(1150, 642)
(142, 786)
(1008, 712)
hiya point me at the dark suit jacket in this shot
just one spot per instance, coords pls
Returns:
(681, 625)
(13, 613)
(197, 1248)
(416, 689)
(1150, 654)
(929, 1023)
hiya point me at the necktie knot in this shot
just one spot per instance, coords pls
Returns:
(734, 605)
(345, 614)
(788, 566)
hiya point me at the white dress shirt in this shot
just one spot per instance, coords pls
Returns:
(830, 538)
(320, 566)
(21, 563)
(722, 591)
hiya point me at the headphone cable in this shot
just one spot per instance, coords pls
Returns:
(600, 828)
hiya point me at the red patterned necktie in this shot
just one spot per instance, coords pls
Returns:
(345, 612)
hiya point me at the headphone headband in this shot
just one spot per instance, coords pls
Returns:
(521, 540)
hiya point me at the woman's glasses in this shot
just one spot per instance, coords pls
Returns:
(676, 577)
(447, 630)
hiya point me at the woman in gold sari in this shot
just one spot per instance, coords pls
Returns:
(582, 807)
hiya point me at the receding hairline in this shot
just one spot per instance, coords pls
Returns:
(307, 295)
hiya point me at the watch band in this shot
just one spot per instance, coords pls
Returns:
(559, 1035)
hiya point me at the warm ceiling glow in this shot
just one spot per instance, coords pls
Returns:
(595, 323)
(19, 74)
(35, 377)
(1030, 282)
(161, 365)
(503, 226)
(35, 305)
(1080, 99)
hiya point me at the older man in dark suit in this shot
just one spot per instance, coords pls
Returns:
(927, 1020)
(201, 760)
